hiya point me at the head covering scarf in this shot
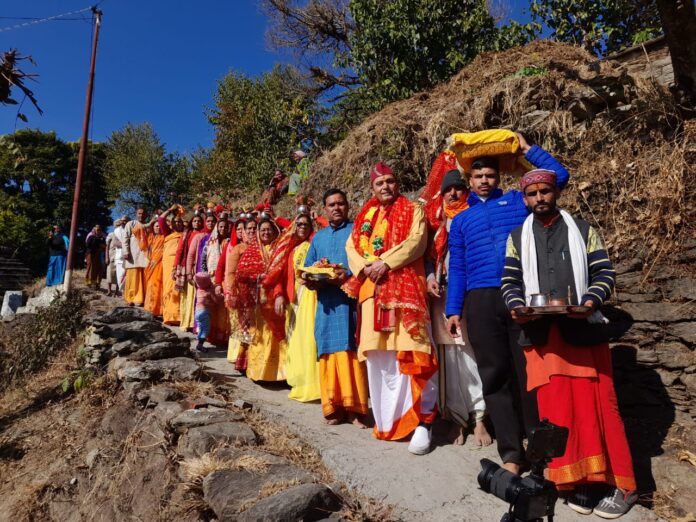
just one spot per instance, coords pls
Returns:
(248, 291)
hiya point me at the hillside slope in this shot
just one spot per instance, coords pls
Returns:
(630, 154)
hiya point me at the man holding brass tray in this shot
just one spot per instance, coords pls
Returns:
(557, 275)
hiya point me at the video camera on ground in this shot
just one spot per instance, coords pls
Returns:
(533, 497)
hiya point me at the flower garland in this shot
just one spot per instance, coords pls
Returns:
(366, 230)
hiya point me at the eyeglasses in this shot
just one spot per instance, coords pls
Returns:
(302, 225)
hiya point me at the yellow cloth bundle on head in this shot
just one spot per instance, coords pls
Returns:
(502, 143)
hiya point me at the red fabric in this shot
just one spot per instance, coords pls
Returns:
(430, 196)
(220, 269)
(249, 292)
(402, 289)
(380, 169)
(283, 222)
(597, 449)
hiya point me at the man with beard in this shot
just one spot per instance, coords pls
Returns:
(135, 260)
(477, 254)
(385, 253)
(342, 377)
(568, 358)
(461, 395)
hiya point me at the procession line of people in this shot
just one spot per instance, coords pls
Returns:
(411, 311)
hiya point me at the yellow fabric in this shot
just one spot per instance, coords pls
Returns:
(301, 367)
(188, 303)
(234, 344)
(266, 355)
(492, 142)
(134, 292)
(398, 256)
(343, 383)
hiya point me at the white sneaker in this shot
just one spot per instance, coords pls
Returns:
(420, 441)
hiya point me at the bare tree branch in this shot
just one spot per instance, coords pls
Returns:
(11, 76)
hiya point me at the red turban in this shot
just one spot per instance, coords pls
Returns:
(538, 176)
(381, 169)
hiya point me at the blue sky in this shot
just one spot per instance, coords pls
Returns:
(158, 61)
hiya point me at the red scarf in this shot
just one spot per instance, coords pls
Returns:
(402, 290)
(248, 291)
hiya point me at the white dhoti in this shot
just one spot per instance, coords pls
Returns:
(120, 269)
(461, 391)
(398, 402)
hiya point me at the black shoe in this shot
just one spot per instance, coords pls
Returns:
(584, 499)
(201, 348)
(615, 504)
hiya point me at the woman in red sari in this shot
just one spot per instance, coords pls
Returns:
(266, 353)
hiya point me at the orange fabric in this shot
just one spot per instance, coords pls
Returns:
(134, 288)
(403, 289)
(170, 296)
(153, 273)
(452, 209)
(421, 367)
(343, 381)
(557, 358)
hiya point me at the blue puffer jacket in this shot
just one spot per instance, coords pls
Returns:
(478, 235)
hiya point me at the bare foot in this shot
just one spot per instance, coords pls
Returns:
(481, 435)
(334, 419)
(357, 421)
(512, 467)
(460, 437)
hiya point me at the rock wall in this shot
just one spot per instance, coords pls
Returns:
(649, 60)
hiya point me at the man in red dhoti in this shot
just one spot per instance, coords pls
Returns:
(568, 358)
(385, 254)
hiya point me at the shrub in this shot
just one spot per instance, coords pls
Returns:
(31, 344)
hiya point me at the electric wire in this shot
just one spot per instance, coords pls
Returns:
(33, 21)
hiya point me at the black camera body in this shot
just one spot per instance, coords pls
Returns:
(533, 497)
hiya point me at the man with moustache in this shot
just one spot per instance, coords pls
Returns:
(477, 253)
(385, 252)
(461, 395)
(342, 377)
(135, 261)
(568, 358)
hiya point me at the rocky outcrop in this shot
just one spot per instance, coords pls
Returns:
(246, 482)
(655, 341)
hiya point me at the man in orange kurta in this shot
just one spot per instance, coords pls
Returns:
(385, 254)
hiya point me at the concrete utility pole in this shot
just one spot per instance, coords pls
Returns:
(83, 153)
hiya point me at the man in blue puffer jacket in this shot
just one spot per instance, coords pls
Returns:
(477, 255)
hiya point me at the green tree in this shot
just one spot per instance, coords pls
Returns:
(258, 122)
(600, 26)
(140, 172)
(404, 46)
(37, 176)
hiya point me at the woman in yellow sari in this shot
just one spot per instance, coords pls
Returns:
(266, 354)
(302, 367)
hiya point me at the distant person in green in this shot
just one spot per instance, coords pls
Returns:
(301, 172)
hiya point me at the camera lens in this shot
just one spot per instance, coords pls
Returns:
(498, 481)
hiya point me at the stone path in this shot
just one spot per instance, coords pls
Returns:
(439, 486)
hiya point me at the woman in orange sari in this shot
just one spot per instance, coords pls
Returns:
(172, 236)
(151, 241)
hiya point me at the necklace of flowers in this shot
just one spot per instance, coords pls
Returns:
(366, 229)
